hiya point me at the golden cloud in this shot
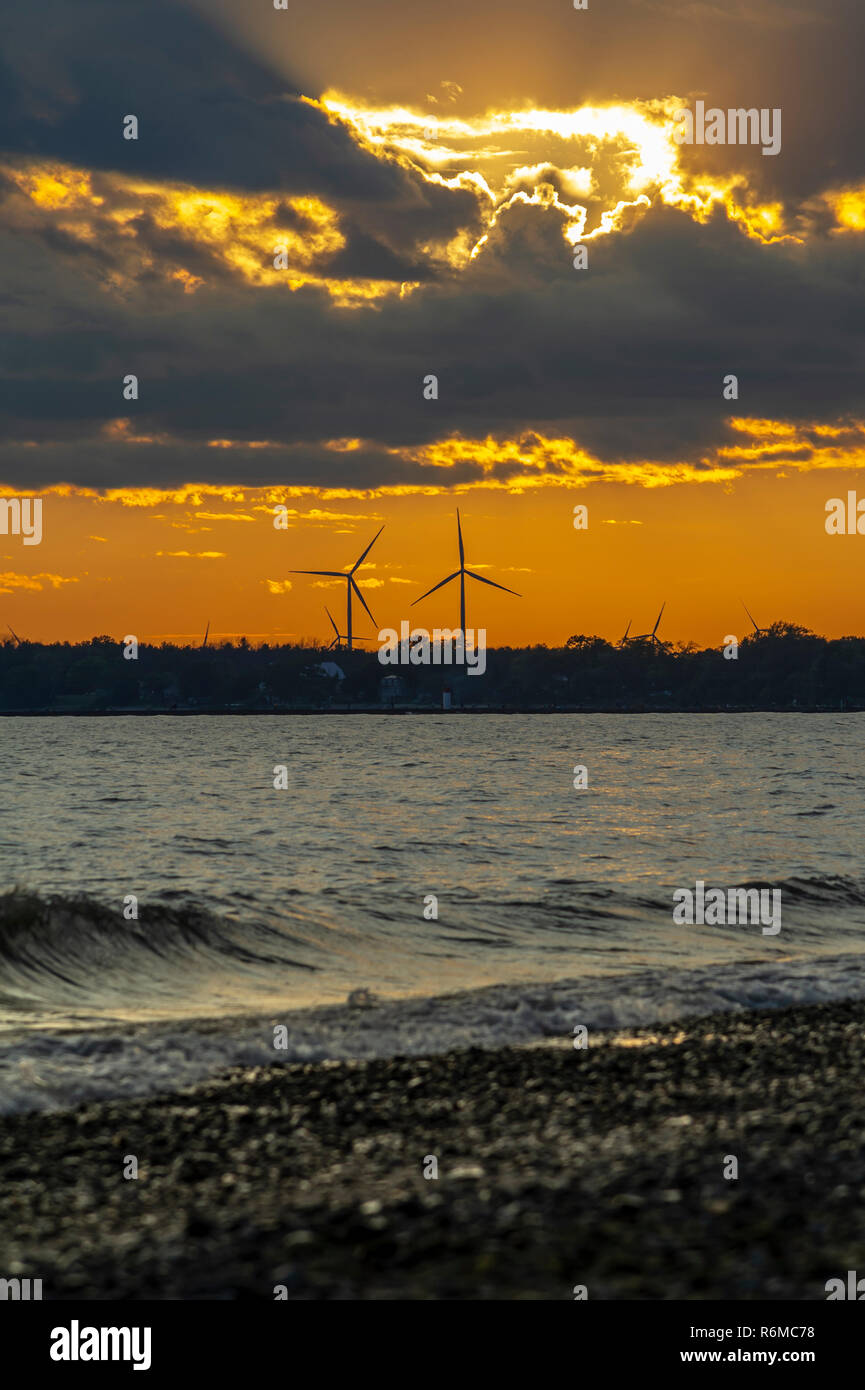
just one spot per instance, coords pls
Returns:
(10, 581)
(192, 554)
(262, 240)
(621, 158)
(529, 460)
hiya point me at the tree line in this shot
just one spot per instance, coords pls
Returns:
(786, 666)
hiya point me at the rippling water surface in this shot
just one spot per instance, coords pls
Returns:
(253, 898)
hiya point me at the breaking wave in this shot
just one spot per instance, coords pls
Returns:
(71, 951)
(56, 1069)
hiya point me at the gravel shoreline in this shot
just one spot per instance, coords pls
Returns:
(557, 1167)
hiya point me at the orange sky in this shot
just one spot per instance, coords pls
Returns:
(699, 546)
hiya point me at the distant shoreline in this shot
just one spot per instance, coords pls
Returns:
(217, 710)
(785, 668)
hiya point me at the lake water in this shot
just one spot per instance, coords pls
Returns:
(259, 902)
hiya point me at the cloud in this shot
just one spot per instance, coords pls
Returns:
(210, 118)
(10, 581)
(663, 314)
(192, 555)
(225, 516)
(151, 257)
(206, 111)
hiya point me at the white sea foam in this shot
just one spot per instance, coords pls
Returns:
(43, 1071)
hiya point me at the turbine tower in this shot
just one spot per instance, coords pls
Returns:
(462, 572)
(350, 584)
(653, 635)
(758, 631)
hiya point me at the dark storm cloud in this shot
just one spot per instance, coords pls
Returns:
(804, 59)
(111, 463)
(627, 358)
(209, 115)
(364, 258)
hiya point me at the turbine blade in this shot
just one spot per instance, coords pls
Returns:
(753, 624)
(660, 616)
(360, 595)
(460, 538)
(334, 574)
(358, 564)
(332, 623)
(492, 583)
(440, 584)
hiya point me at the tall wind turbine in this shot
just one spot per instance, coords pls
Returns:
(462, 572)
(759, 631)
(350, 584)
(653, 635)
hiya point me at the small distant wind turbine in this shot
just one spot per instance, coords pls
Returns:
(653, 635)
(462, 572)
(340, 636)
(627, 630)
(350, 584)
(759, 631)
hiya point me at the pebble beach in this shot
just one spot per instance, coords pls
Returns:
(558, 1167)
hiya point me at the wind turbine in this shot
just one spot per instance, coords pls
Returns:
(350, 583)
(653, 635)
(627, 630)
(759, 631)
(462, 572)
(340, 636)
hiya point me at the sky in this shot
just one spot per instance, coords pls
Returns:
(327, 205)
